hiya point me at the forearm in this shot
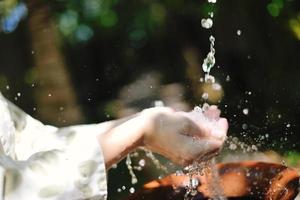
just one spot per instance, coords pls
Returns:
(120, 140)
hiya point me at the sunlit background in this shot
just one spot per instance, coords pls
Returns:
(68, 62)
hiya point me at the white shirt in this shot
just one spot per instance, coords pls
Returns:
(40, 162)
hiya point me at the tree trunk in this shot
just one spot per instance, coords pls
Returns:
(55, 96)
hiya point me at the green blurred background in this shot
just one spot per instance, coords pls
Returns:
(69, 62)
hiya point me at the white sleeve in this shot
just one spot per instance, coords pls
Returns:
(54, 164)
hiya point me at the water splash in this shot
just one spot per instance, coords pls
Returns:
(210, 61)
(156, 162)
(142, 163)
(195, 169)
(206, 165)
(130, 169)
(215, 186)
(203, 166)
(200, 168)
(192, 188)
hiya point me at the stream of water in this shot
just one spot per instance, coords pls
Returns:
(203, 165)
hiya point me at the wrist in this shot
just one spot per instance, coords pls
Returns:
(147, 122)
(154, 120)
(121, 139)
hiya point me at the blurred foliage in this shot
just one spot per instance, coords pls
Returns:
(11, 13)
(78, 20)
(295, 25)
(6, 6)
(275, 7)
(293, 158)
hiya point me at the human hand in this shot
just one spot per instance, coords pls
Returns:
(184, 137)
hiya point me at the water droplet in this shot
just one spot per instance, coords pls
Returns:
(212, 39)
(197, 109)
(123, 187)
(194, 183)
(207, 23)
(288, 125)
(216, 86)
(158, 103)
(7, 87)
(239, 32)
(246, 111)
(209, 78)
(18, 94)
(205, 96)
(138, 168)
(279, 116)
(227, 78)
(49, 95)
(131, 190)
(212, 1)
(179, 173)
(254, 148)
(244, 126)
(134, 180)
(134, 154)
(142, 163)
(205, 107)
(119, 190)
(283, 163)
(114, 166)
(232, 146)
(193, 192)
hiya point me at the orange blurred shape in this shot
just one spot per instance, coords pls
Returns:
(241, 180)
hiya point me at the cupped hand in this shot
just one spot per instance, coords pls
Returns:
(184, 137)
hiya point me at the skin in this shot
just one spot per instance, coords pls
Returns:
(179, 136)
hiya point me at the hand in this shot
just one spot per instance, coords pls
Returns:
(184, 137)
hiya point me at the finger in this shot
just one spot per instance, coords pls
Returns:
(212, 113)
(220, 131)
